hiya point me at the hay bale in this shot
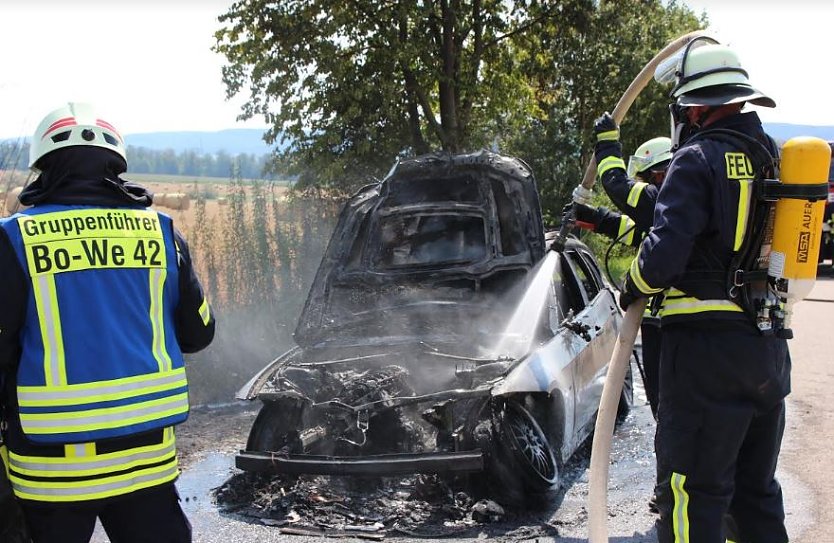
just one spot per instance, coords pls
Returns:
(178, 201)
(222, 201)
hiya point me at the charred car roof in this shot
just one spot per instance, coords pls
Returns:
(438, 231)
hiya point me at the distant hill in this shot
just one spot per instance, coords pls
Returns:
(233, 141)
(785, 131)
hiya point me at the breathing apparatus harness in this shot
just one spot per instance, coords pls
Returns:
(747, 281)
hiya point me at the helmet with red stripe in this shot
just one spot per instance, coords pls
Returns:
(73, 124)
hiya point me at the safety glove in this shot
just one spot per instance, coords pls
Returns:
(606, 129)
(586, 217)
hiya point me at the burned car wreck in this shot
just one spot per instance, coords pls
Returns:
(441, 336)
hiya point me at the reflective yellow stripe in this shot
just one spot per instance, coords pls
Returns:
(626, 224)
(639, 282)
(69, 466)
(128, 387)
(634, 193)
(743, 210)
(160, 353)
(205, 312)
(49, 318)
(680, 509)
(689, 305)
(72, 491)
(103, 475)
(104, 418)
(79, 450)
(608, 163)
(4, 457)
(611, 135)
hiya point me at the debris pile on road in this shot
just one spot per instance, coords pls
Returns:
(422, 505)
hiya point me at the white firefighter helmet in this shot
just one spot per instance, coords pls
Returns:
(650, 153)
(707, 73)
(71, 125)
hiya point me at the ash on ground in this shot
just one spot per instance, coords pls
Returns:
(421, 505)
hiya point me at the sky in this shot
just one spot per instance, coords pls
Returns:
(148, 66)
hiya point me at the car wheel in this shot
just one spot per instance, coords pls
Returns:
(627, 395)
(524, 465)
(275, 429)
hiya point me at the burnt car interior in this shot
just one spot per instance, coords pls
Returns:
(397, 367)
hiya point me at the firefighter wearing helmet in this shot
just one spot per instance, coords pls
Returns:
(723, 379)
(100, 301)
(633, 190)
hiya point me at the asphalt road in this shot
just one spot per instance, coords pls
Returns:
(804, 470)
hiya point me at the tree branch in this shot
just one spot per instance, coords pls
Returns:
(523, 28)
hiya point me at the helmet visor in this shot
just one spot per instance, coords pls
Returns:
(637, 164)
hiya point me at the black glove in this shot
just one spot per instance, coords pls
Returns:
(629, 294)
(606, 129)
(586, 216)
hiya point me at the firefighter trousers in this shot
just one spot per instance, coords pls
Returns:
(720, 424)
(147, 516)
(650, 339)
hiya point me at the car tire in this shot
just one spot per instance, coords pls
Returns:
(523, 467)
(627, 395)
(275, 429)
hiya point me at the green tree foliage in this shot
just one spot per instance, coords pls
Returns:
(578, 72)
(352, 84)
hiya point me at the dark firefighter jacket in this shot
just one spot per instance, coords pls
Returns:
(699, 225)
(634, 198)
(137, 449)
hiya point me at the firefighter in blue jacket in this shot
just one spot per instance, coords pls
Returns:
(634, 191)
(99, 302)
(722, 381)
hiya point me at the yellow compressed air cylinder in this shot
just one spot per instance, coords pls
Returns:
(797, 226)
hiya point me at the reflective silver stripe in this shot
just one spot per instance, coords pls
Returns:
(114, 417)
(50, 323)
(680, 508)
(157, 281)
(91, 489)
(75, 449)
(82, 465)
(52, 395)
(205, 312)
(634, 193)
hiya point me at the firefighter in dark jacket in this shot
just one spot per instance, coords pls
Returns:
(723, 381)
(99, 302)
(634, 191)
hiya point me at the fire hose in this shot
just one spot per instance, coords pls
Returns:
(618, 365)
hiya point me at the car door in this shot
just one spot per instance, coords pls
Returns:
(597, 325)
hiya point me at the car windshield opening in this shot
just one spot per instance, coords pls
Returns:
(430, 239)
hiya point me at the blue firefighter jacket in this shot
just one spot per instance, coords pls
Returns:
(99, 301)
(96, 364)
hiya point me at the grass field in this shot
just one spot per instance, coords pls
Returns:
(143, 178)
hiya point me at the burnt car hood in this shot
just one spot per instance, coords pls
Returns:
(426, 253)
